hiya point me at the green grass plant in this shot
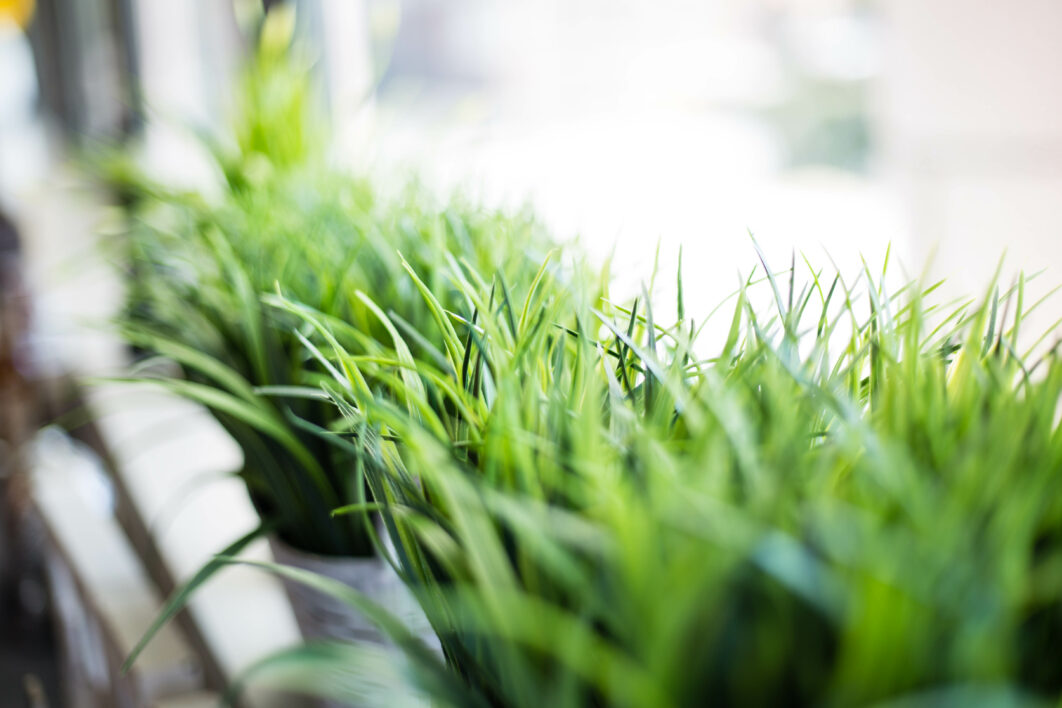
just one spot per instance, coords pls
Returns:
(852, 498)
(853, 501)
(200, 262)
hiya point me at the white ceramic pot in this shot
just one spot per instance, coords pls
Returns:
(321, 616)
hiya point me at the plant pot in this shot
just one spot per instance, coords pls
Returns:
(321, 616)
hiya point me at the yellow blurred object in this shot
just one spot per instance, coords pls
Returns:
(21, 11)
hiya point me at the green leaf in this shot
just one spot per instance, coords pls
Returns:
(180, 596)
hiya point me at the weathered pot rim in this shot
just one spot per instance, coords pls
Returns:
(276, 543)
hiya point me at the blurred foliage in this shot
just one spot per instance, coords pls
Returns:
(825, 123)
(853, 501)
(199, 266)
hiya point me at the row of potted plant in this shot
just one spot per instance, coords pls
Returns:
(850, 499)
(199, 266)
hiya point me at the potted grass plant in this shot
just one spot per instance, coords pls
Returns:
(285, 219)
(851, 500)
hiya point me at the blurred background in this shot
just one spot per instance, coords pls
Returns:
(836, 125)
(835, 128)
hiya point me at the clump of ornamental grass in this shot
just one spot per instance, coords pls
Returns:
(852, 500)
(199, 266)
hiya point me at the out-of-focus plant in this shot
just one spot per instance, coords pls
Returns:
(854, 501)
(280, 124)
(851, 500)
(200, 265)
